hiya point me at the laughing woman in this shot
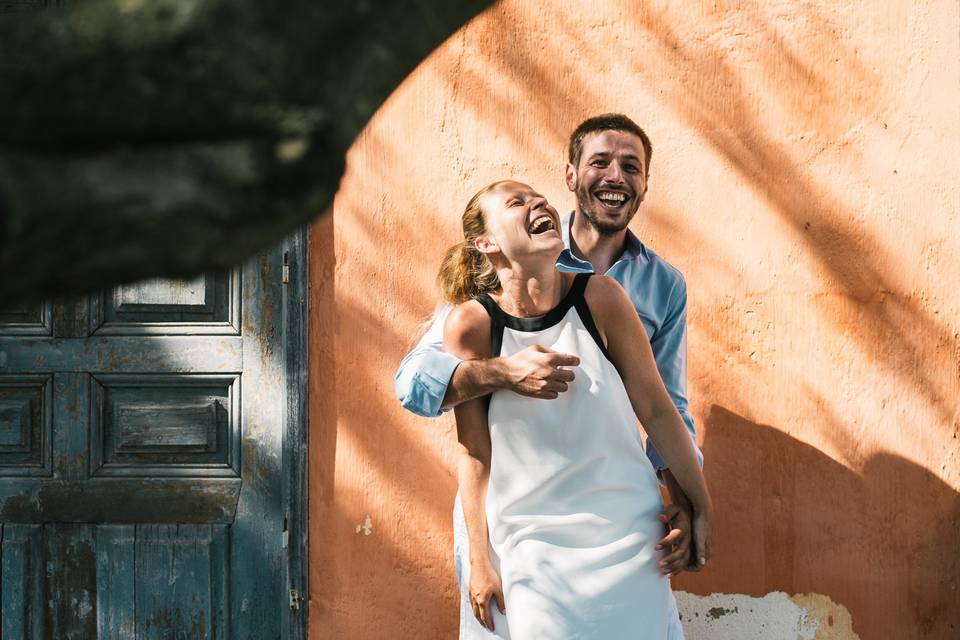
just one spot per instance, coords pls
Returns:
(560, 500)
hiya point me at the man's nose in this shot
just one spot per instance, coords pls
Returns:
(613, 173)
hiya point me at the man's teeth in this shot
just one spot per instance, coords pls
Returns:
(612, 196)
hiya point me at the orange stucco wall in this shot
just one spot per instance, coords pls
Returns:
(804, 179)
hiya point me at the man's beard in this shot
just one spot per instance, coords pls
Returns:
(603, 227)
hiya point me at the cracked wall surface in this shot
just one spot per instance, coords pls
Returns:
(804, 179)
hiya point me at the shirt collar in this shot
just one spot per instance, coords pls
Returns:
(568, 262)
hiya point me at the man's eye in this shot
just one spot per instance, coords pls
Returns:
(598, 163)
(514, 203)
(631, 168)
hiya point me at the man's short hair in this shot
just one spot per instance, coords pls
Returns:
(607, 122)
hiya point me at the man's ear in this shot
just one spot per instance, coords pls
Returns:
(570, 175)
(486, 245)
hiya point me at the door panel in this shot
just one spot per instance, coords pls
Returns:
(116, 581)
(166, 425)
(209, 304)
(26, 319)
(21, 581)
(178, 583)
(26, 425)
(70, 581)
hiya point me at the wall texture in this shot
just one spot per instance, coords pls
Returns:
(804, 179)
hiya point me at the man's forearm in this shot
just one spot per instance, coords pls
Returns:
(474, 379)
(535, 371)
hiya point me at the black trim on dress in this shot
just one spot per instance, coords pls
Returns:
(499, 319)
(583, 309)
(496, 323)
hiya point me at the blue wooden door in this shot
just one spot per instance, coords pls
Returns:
(141, 473)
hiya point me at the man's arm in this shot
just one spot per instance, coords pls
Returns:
(430, 381)
(424, 374)
(535, 372)
(669, 344)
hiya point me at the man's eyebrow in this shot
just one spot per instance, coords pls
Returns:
(607, 154)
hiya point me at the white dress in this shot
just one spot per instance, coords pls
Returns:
(572, 500)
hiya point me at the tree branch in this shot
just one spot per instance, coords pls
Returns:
(170, 137)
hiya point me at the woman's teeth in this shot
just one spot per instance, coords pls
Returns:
(542, 224)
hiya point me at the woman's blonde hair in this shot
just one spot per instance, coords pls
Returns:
(465, 273)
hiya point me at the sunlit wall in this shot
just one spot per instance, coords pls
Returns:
(804, 179)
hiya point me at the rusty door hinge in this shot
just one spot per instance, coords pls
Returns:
(294, 599)
(286, 268)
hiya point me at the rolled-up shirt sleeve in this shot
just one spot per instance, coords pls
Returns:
(423, 377)
(669, 345)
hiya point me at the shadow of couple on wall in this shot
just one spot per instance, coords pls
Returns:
(880, 540)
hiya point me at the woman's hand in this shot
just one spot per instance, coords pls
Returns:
(484, 585)
(702, 536)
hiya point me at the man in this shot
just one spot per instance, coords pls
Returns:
(609, 162)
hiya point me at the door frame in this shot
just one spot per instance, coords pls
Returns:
(296, 437)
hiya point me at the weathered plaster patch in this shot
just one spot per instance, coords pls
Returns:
(836, 623)
(775, 616)
(366, 526)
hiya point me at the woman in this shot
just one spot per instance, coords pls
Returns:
(559, 499)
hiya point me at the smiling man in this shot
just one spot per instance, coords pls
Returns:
(608, 167)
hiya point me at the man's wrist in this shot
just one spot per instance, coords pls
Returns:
(487, 375)
(498, 374)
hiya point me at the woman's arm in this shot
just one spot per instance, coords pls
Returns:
(619, 325)
(467, 335)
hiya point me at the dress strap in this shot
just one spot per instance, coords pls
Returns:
(497, 322)
(583, 310)
(578, 287)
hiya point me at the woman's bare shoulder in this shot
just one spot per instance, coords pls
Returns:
(467, 330)
(603, 293)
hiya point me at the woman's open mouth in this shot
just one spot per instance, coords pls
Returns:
(542, 224)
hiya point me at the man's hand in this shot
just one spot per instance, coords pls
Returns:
(680, 555)
(537, 372)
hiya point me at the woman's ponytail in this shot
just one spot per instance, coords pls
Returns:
(466, 272)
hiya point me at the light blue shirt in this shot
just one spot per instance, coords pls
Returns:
(659, 294)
